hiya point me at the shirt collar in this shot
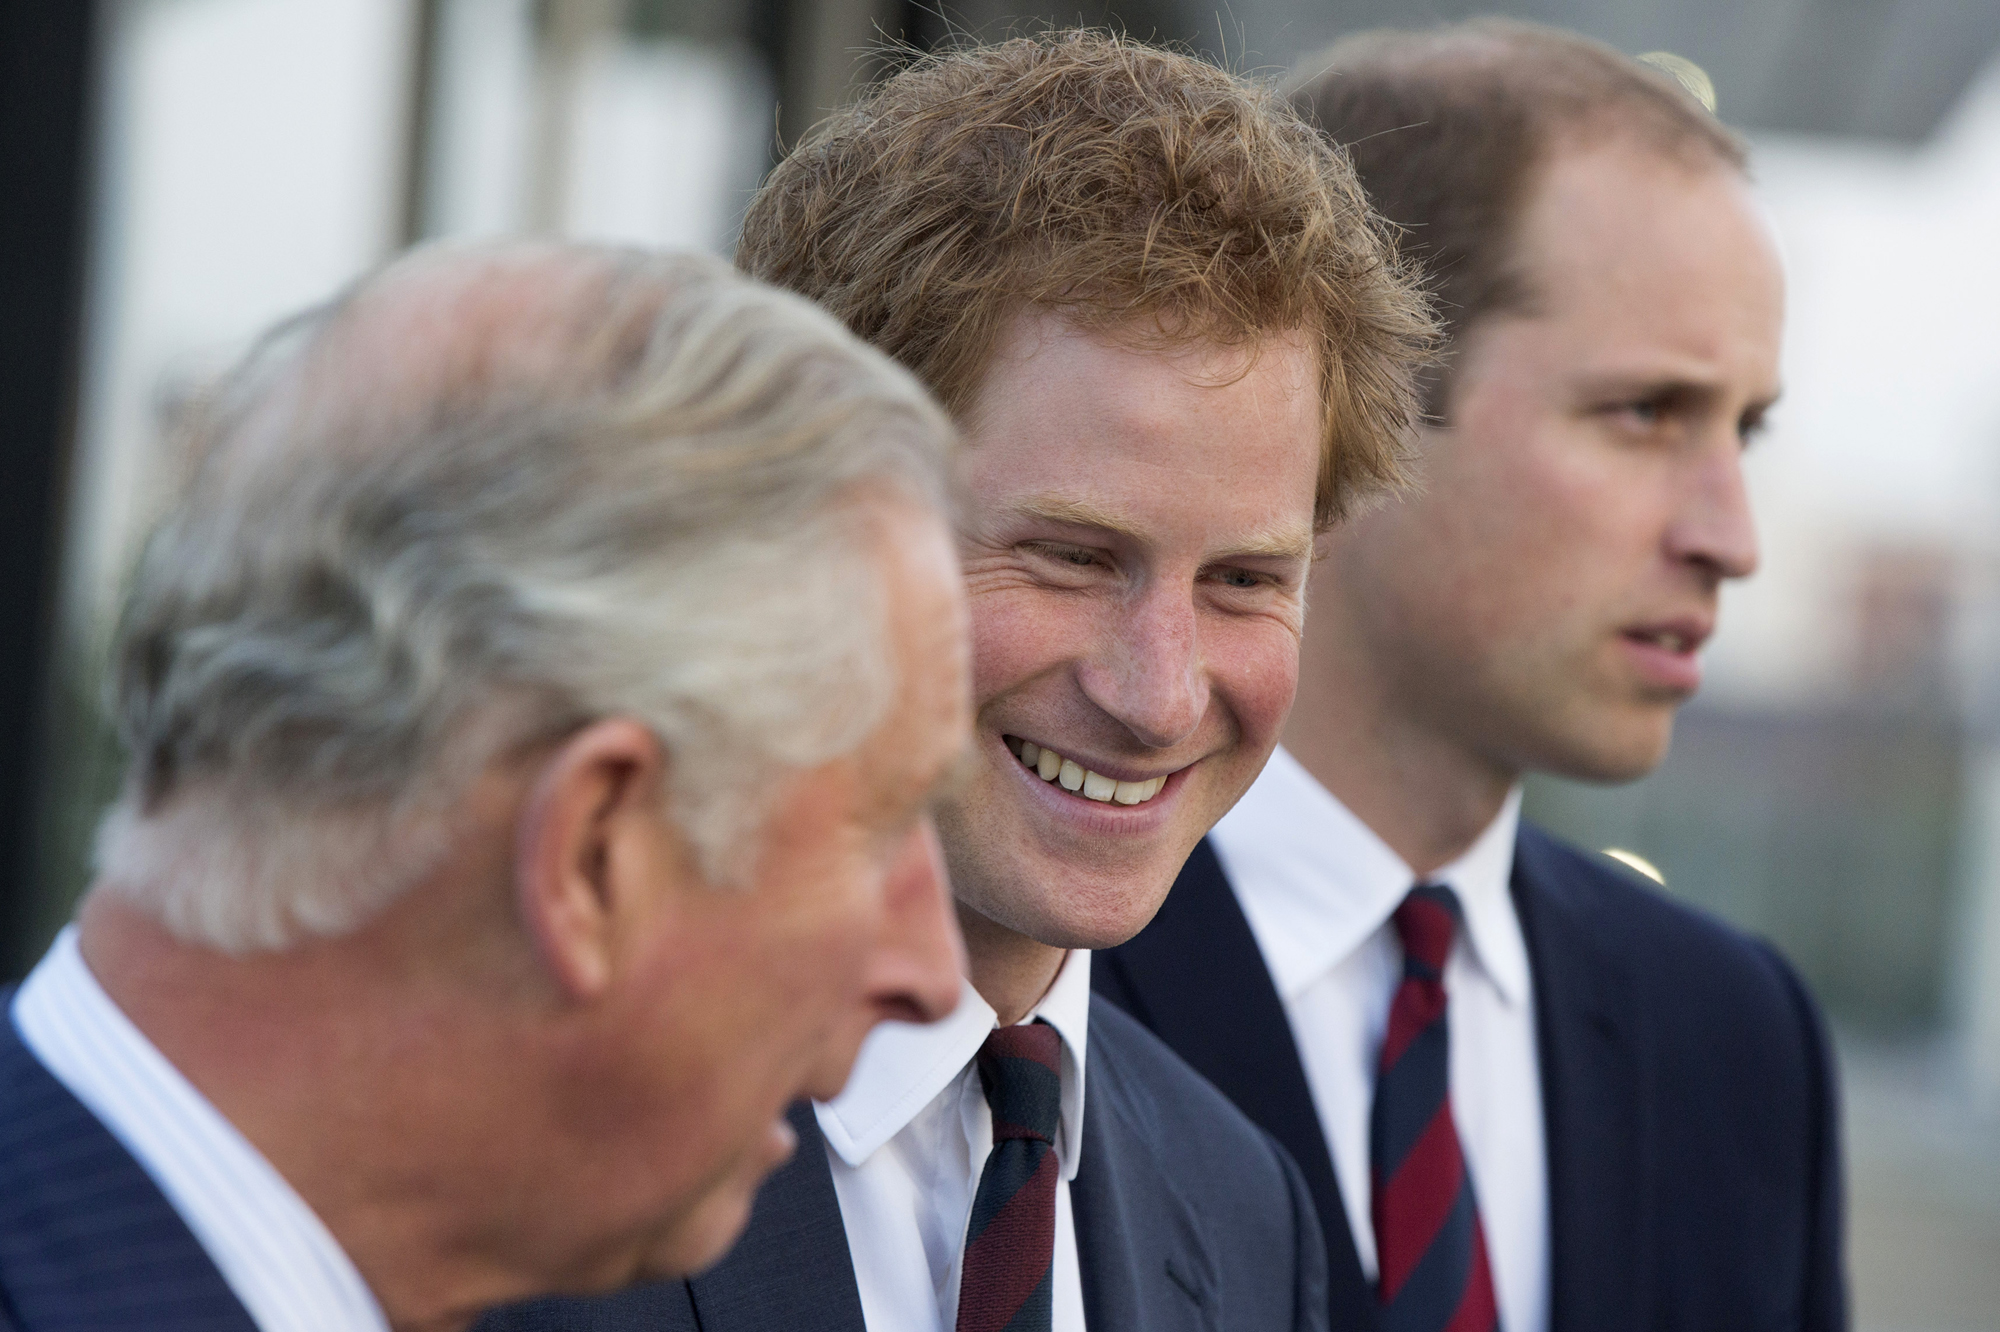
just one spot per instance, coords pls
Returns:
(1316, 882)
(284, 1265)
(903, 1067)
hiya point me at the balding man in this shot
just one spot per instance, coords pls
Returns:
(518, 820)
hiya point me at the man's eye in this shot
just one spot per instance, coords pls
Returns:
(1240, 578)
(1645, 413)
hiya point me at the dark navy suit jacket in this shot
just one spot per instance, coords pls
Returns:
(1188, 1219)
(88, 1243)
(1693, 1151)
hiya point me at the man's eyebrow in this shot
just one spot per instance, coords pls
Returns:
(1674, 386)
(1274, 543)
(1682, 377)
(1075, 513)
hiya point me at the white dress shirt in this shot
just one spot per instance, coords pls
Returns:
(908, 1138)
(282, 1263)
(1319, 889)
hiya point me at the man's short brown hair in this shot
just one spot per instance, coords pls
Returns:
(1113, 182)
(1447, 129)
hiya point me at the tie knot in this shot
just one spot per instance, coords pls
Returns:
(1426, 922)
(1021, 1070)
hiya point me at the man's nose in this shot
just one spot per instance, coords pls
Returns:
(1147, 672)
(915, 970)
(1715, 528)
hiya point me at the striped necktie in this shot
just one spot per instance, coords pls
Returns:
(1007, 1282)
(1430, 1245)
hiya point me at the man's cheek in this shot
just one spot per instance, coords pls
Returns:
(1018, 633)
(1256, 675)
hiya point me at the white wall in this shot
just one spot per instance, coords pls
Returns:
(249, 158)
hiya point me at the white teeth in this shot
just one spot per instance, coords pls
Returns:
(1073, 776)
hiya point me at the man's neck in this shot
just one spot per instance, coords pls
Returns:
(1011, 971)
(1426, 796)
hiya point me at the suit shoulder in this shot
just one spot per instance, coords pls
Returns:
(36, 1114)
(1659, 941)
(1240, 1198)
(86, 1236)
(1144, 1075)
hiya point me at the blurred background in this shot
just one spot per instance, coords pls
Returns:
(175, 174)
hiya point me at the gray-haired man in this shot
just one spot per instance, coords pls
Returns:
(517, 819)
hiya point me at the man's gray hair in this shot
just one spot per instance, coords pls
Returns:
(489, 495)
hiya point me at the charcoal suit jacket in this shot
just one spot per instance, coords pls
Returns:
(1693, 1151)
(1188, 1219)
(88, 1243)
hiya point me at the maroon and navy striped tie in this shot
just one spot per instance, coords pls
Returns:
(1007, 1281)
(1428, 1240)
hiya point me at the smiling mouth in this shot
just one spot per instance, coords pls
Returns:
(1074, 777)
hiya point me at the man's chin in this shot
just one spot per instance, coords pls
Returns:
(1063, 893)
(1612, 754)
(1094, 913)
(705, 1231)
(702, 1238)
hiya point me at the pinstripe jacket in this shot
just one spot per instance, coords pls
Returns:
(86, 1239)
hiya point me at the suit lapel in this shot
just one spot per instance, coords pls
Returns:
(1196, 977)
(1138, 1248)
(1591, 1097)
(792, 1268)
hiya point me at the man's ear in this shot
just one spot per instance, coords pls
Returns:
(580, 853)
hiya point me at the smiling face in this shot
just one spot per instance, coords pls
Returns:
(1137, 530)
(1540, 603)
